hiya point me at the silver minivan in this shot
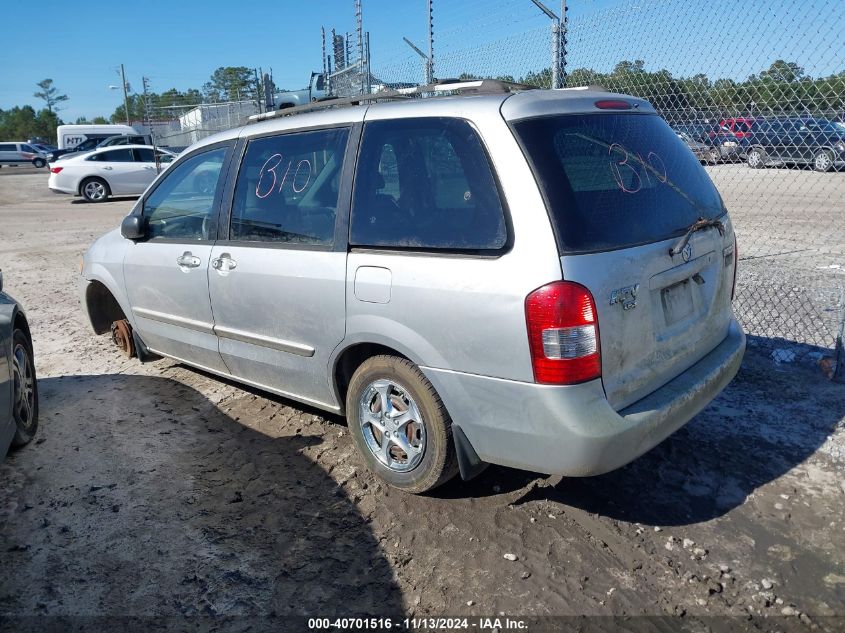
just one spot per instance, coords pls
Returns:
(18, 154)
(535, 278)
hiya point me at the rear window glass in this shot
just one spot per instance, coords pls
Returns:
(616, 180)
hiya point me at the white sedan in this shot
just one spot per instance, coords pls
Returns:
(111, 171)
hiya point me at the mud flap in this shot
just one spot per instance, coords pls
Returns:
(469, 463)
(144, 355)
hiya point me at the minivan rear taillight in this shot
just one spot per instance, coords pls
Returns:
(563, 334)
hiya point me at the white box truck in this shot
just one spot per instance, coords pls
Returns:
(69, 136)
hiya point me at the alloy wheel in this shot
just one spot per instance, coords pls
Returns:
(24, 386)
(95, 190)
(822, 161)
(392, 425)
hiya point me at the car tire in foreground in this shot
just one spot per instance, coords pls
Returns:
(399, 424)
(823, 160)
(94, 189)
(25, 385)
(756, 158)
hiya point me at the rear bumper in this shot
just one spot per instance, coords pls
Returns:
(572, 430)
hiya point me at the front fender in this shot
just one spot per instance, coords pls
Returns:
(103, 263)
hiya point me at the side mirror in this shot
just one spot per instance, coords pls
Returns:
(133, 227)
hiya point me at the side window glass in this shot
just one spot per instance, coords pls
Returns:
(182, 205)
(118, 156)
(425, 183)
(145, 155)
(287, 188)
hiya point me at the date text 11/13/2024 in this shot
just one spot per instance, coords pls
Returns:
(482, 624)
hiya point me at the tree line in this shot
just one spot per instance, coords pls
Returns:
(783, 87)
(229, 83)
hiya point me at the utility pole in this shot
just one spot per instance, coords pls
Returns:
(125, 95)
(564, 29)
(430, 66)
(147, 120)
(359, 32)
(556, 79)
(369, 75)
(259, 72)
(323, 40)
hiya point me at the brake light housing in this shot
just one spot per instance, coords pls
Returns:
(613, 104)
(563, 334)
(55, 170)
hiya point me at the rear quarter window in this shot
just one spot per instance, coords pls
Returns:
(426, 183)
(615, 180)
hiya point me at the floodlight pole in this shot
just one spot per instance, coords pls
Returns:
(428, 78)
(125, 95)
(556, 82)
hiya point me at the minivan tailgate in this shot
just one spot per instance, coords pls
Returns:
(658, 313)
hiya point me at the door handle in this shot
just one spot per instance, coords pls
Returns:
(187, 260)
(108, 167)
(224, 263)
(149, 167)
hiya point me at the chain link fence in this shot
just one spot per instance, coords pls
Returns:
(756, 89)
(758, 92)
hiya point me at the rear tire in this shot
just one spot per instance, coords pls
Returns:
(25, 389)
(756, 158)
(390, 400)
(94, 189)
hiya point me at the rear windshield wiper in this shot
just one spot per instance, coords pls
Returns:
(698, 225)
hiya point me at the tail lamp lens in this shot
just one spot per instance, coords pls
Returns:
(563, 334)
(55, 170)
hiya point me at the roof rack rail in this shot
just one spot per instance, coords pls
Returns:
(443, 87)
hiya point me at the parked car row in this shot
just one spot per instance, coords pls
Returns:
(97, 142)
(18, 154)
(768, 141)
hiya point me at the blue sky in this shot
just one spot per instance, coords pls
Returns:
(180, 43)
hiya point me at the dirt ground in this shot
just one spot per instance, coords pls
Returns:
(157, 490)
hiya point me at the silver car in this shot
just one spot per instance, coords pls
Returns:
(541, 279)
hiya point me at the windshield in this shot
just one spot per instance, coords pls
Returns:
(616, 180)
